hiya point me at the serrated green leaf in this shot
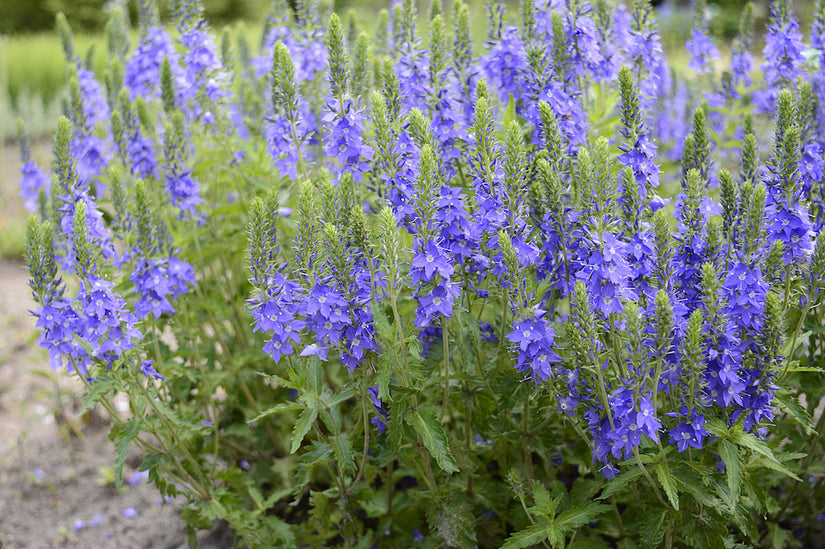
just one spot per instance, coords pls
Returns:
(580, 515)
(717, 428)
(733, 466)
(282, 407)
(282, 532)
(790, 405)
(302, 426)
(432, 435)
(653, 526)
(620, 481)
(545, 504)
(450, 517)
(750, 442)
(668, 482)
(528, 537)
(342, 448)
(122, 445)
(332, 400)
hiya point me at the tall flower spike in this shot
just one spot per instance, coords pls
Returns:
(33, 180)
(782, 53)
(741, 62)
(147, 16)
(638, 150)
(700, 46)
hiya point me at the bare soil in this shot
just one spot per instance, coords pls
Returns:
(54, 488)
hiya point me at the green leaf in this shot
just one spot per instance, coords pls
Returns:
(653, 526)
(302, 426)
(668, 482)
(620, 481)
(122, 447)
(580, 515)
(546, 504)
(278, 408)
(281, 531)
(779, 536)
(343, 452)
(450, 516)
(434, 439)
(730, 456)
(332, 400)
(528, 537)
(789, 404)
(750, 442)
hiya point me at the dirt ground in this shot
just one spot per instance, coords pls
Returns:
(53, 485)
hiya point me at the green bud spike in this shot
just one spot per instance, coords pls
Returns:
(80, 239)
(438, 51)
(389, 244)
(463, 42)
(713, 237)
(361, 65)
(64, 166)
(514, 165)
(773, 264)
(711, 285)
(420, 128)
(382, 32)
(427, 185)
(484, 131)
(554, 142)
(528, 20)
(167, 86)
(41, 259)
(773, 327)
(663, 322)
(728, 199)
(392, 89)
(307, 216)
(66, 38)
(662, 267)
(284, 90)
(117, 33)
(352, 27)
(337, 58)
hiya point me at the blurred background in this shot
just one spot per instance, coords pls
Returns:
(33, 77)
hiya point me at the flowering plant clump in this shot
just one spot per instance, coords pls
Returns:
(377, 287)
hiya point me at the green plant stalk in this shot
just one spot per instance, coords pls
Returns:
(445, 338)
(178, 442)
(820, 424)
(525, 429)
(144, 445)
(796, 331)
(649, 478)
(364, 404)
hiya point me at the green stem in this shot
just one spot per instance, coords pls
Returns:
(796, 331)
(445, 338)
(649, 478)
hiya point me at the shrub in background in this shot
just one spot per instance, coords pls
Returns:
(384, 290)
